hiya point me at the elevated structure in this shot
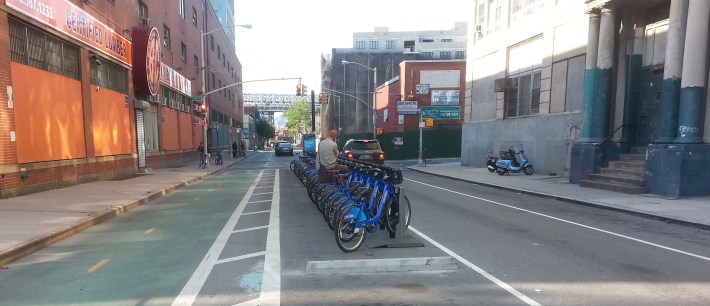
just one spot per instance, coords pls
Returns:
(272, 102)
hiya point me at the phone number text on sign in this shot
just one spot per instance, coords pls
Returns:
(39, 7)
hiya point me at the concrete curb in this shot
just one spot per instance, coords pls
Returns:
(573, 201)
(26, 248)
(381, 265)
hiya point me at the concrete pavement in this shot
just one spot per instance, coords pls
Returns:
(30, 223)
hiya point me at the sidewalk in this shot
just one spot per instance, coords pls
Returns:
(693, 211)
(32, 222)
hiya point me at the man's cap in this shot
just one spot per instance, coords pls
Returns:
(333, 133)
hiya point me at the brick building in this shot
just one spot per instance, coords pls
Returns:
(94, 91)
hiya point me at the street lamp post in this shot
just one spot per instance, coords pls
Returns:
(374, 96)
(204, 71)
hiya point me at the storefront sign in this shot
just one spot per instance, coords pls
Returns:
(445, 97)
(146, 72)
(406, 107)
(441, 112)
(69, 19)
(422, 89)
(174, 79)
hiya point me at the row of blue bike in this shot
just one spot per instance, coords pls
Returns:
(361, 202)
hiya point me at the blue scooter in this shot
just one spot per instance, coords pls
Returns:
(505, 166)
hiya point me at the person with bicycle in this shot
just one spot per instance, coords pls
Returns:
(327, 157)
(235, 148)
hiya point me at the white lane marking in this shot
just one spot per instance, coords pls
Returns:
(263, 193)
(250, 229)
(271, 282)
(572, 222)
(189, 293)
(254, 302)
(245, 256)
(255, 212)
(264, 187)
(259, 201)
(485, 274)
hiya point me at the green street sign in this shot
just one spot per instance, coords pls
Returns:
(196, 99)
(441, 112)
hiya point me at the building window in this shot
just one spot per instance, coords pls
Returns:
(523, 99)
(374, 44)
(445, 55)
(34, 48)
(183, 52)
(142, 10)
(427, 55)
(359, 44)
(444, 40)
(194, 16)
(182, 8)
(213, 81)
(390, 44)
(197, 62)
(108, 75)
(166, 36)
(211, 42)
(460, 55)
(520, 9)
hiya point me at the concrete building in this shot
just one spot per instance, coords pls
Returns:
(224, 10)
(351, 86)
(95, 91)
(580, 84)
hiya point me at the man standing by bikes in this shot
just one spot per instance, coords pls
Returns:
(327, 157)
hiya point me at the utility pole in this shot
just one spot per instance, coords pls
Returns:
(313, 111)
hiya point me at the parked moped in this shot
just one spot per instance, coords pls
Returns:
(507, 166)
(492, 159)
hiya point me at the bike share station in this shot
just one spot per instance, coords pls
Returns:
(367, 202)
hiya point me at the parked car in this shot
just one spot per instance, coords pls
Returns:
(363, 149)
(283, 148)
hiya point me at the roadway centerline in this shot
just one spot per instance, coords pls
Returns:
(97, 266)
(569, 222)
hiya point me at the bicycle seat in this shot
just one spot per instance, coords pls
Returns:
(361, 193)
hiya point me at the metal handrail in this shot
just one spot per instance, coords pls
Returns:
(612, 134)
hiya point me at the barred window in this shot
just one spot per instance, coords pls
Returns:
(524, 99)
(108, 75)
(29, 46)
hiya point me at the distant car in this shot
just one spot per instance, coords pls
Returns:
(363, 149)
(283, 148)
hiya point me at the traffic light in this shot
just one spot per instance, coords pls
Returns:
(298, 89)
(203, 110)
(380, 131)
(323, 97)
(304, 90)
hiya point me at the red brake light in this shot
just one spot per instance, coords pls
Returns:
(365, 141)
(382, 155)
(350, 155)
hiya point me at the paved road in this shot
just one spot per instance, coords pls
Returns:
(248, 236)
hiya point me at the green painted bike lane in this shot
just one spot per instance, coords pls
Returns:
(142, 257)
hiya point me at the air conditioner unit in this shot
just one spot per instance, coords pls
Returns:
(505, 84)
(145, 21)
(195, 107)
(164, 101)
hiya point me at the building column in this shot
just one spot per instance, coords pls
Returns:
(690, 126)
(603, 85)
(632, 95)
(670, 93)
(590, 75)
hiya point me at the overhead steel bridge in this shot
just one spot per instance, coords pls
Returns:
(272, 102)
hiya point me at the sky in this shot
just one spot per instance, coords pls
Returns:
(288, 37)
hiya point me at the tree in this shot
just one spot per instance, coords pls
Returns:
(298, 115)
(264, 130)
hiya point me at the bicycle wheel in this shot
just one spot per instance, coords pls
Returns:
(349, 237)
(392, 213)
(202, 163)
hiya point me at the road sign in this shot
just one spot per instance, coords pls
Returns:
(197, 99)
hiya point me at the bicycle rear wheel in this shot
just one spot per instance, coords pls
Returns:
(392, 211)
(349, 237)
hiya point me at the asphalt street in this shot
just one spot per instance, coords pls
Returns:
(251, 236)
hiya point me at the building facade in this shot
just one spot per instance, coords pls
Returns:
(579, 84)
(93, 92)
(224, 10)
(350, 87)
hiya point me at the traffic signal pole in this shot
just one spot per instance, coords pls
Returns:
(313, 112)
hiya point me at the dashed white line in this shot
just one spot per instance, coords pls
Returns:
(256, 212)
(250, 229)
(245, 256)
(262, 201)
(263, 193)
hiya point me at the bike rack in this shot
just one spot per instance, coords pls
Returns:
(401, 238)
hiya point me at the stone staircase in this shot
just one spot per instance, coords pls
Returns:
(623, 175)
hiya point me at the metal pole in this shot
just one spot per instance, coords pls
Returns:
(204, 96)
(421, 160)
(374, 105)
(313, 111)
